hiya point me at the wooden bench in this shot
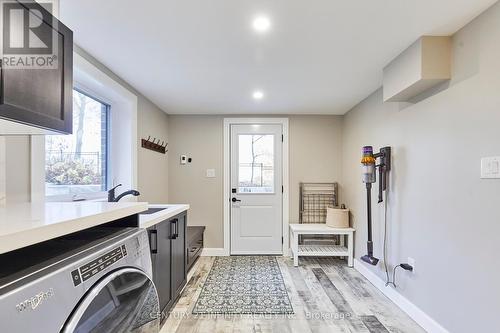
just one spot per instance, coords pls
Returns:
(194, 244)
(340, 250)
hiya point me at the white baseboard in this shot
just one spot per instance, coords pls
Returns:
(221, 252)
(424, 320)
(213, 252)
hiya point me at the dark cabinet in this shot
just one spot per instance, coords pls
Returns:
(168, 244)
(161, 259)
(179, 260)
(36, 73)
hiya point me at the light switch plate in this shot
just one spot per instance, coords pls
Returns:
(490, 167)
(210, 173)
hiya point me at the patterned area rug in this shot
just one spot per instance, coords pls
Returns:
(244, 285)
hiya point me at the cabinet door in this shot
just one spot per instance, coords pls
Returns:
(36, 85)
(178, 225)
(163, 263)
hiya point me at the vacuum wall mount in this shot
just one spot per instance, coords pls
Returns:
(369, 161)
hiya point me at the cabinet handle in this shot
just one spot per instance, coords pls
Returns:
(174, 232)
(154, 250)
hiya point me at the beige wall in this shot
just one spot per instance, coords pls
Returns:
(201, 138)
(315, 152)
(152, 175)
(440, 212)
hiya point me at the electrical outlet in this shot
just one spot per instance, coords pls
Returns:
(411, 262)
(210, 173)
(490, 167)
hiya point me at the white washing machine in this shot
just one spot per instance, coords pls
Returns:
(98, 280)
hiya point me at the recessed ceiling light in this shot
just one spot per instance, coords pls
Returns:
(261, 23)
(258, 95)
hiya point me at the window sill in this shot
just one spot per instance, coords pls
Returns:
(96, 197)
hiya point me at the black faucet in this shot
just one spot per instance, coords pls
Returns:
(113, 198)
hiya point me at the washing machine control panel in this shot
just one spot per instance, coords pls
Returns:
(97, 265)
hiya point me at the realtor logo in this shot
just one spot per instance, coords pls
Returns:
(28, 37)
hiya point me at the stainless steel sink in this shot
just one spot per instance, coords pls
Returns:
(153, 210)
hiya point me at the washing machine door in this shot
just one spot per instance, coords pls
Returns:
(123, 301)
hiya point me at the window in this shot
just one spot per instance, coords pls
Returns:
(76, 164)
(256, 163)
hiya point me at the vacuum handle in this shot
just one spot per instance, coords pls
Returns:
(369, 209)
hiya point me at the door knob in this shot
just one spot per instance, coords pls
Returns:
(235, 200)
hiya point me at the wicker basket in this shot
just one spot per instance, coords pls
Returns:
(337, 218)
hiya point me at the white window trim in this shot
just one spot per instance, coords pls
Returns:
(3, 173)
(123, 153)
(227, 177)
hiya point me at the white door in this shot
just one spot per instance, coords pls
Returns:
(256, 189)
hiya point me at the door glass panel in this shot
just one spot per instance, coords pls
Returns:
(128, 303)
(256, 163)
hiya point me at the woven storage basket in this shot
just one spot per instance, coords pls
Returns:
(337, 218)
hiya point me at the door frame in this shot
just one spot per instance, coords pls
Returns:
(227, 176)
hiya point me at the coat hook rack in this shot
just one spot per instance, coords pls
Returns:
(154, 145)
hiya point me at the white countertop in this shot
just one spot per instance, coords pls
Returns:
(146, 221)
(27, 223)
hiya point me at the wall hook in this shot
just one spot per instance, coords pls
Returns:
(153, 145)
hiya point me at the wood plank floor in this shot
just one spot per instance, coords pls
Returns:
(326, 295)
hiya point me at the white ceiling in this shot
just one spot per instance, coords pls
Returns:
(202, 56)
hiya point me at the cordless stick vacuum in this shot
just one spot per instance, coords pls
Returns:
(370, 166)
